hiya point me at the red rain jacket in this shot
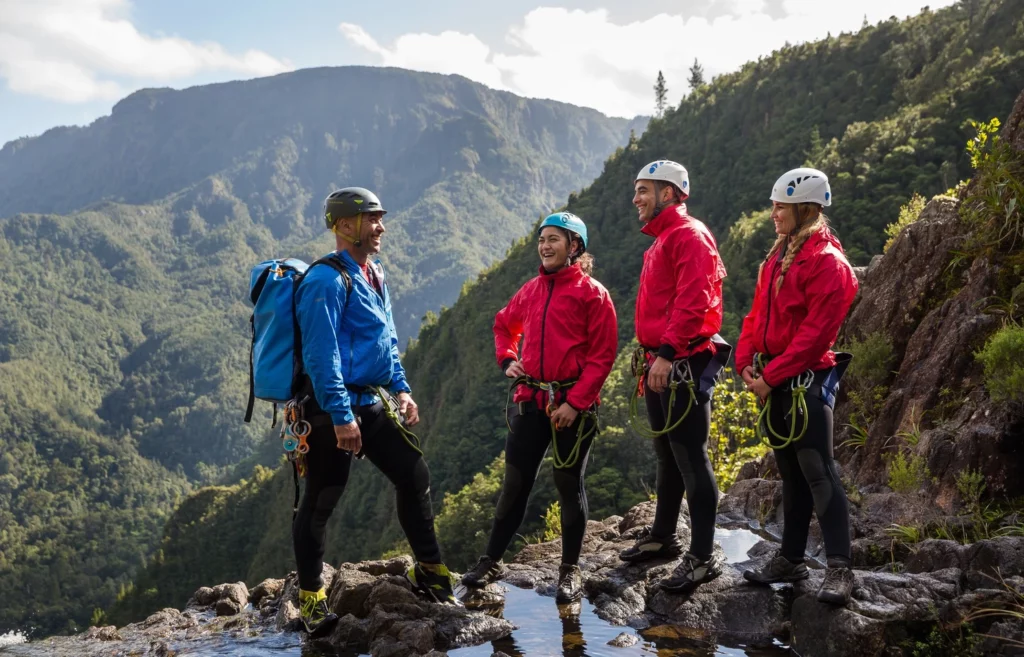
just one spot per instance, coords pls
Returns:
(798, 324)
(570, 333)
(680, 295)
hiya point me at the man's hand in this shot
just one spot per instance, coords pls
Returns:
(759, 388)
(657, 376)
(349, 437)
(748, 375)
(514, 369)
(408, 409)
(564, 416)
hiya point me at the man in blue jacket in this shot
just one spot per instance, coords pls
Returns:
(349, 352)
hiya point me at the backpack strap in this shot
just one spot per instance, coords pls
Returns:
(299, 375)
(252, 375)
(336, 265)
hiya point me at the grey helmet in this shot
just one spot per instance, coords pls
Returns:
(349, 202)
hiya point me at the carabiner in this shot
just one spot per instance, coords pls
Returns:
(551, 405)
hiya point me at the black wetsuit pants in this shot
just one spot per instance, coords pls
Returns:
(810, 480)
(327, 470)
(525, 447)
(683, 464)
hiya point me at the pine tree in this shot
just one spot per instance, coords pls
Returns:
(696, 75)
(660, 93)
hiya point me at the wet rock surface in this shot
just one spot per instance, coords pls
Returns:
(379, 614)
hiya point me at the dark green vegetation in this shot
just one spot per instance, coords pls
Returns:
(883, 111)
(123, 326)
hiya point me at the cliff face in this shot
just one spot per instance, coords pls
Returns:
(930, 305)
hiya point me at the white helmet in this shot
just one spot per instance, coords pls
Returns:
(803, 185)
(667, 171)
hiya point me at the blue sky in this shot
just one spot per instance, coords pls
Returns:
(66, 62)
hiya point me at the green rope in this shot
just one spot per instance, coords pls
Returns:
(798, 386)
(391, 410)
(673, 385)
(552, 389)
(574, 454)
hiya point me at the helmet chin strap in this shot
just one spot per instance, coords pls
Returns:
(356, 241)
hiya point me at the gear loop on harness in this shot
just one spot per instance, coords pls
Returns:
(681, 373)
(552, 388)
(798, 386)
(391, 409)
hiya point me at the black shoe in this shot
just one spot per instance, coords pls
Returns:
(570, 584)
(485, 571)
(316, 616)
(691, 573)
(837, 587)
(779, 569)
(648, 546)
(434, 581)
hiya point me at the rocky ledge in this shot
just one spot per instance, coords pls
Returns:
(936, 586)
(890, 611)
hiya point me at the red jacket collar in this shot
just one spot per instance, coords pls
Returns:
(565, 273)
(669, 216)
(817, 243)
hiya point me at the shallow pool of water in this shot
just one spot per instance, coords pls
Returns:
(547, 630)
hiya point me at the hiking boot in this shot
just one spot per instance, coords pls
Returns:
(316, 616)
(691, 573)
(779, 569)
(434, 581)
(570, 584)
(837, 587)
(648, 546)
(485, 571)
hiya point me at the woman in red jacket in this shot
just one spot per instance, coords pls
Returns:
(568, 350)
(804, 291)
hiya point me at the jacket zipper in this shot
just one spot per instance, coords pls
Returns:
(768, 319)
(543, 322)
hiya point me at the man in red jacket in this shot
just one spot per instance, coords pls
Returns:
(678, 314)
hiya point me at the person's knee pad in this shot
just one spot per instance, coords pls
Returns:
(421, 486)
(816, 473)
(570, 489)
(509, 490)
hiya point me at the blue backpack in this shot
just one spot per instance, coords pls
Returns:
(275, 355)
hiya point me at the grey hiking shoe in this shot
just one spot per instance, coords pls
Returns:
(485, 571)
(570, 584)
(779, 569)
(648, 546)
(837, 587)
(691, 573)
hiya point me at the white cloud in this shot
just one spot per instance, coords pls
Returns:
(584, 58)
(82, 50)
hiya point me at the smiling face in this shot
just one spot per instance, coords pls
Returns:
(371, 229)
(647, 198)
(553, 248)
(784, 217)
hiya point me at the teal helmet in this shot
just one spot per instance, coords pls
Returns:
(566, 221)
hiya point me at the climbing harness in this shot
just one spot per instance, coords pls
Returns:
(551, 390)
(680, 374)
(295, 432)
(391, 408)
(798, 386)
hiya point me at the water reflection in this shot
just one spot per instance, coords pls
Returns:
(584, 634)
